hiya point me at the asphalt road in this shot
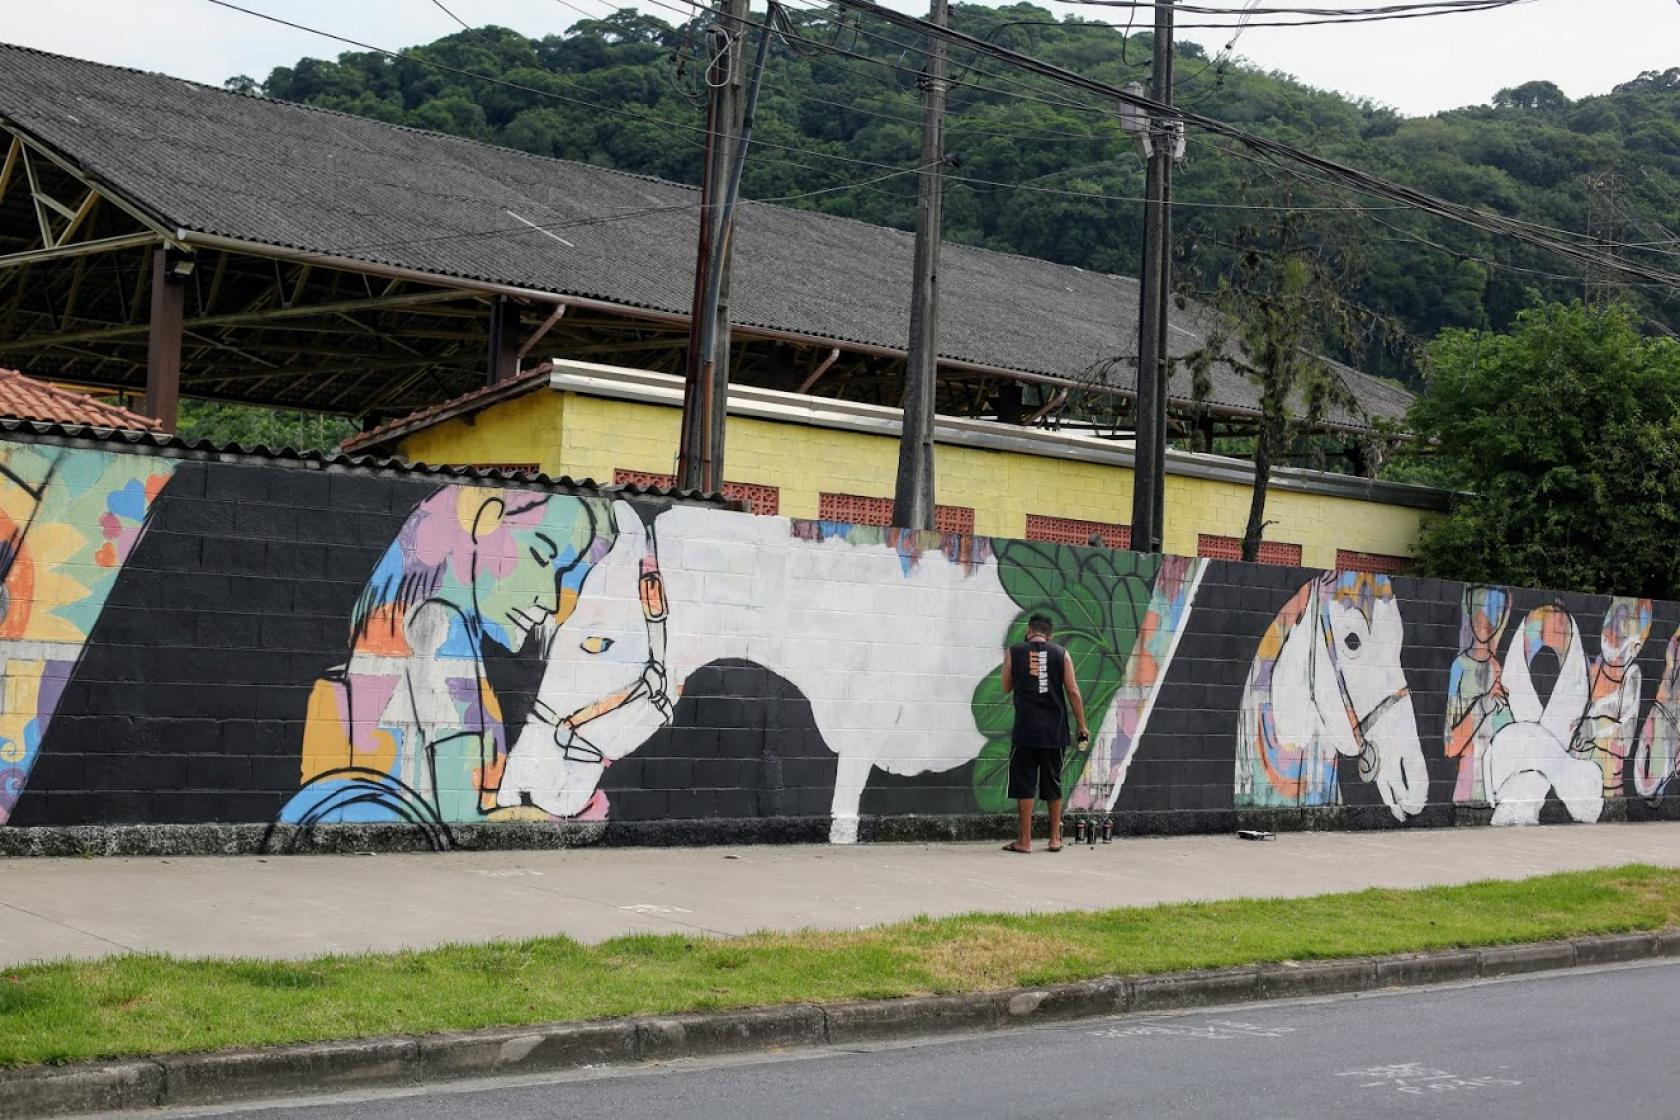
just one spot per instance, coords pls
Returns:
(1576, 1044)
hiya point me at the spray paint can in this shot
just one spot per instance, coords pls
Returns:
(1079, 830)
(1108, 830)
(1093, 835)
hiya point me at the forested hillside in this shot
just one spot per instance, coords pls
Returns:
(839, 115)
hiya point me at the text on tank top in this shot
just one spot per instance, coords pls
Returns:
(1040, 698)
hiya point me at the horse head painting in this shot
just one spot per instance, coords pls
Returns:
(1326, 684)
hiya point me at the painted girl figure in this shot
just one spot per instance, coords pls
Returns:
(1608, 728)
(1477, 706)
(408, 729)
(1658, 752)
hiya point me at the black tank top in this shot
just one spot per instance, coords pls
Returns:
(1040, 701)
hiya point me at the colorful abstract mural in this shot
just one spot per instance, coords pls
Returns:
(1657, 755)
(69, 520)
(1516, 748)
(1476, 703)
(196, 639)
(1164, 622)
(408, 728)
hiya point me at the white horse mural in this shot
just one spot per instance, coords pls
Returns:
(886, 642)
(1327, 683)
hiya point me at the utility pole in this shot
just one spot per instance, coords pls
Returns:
(733, 111)
(706, 394)
(913, 496)
(1163, 82)
(1149, 470)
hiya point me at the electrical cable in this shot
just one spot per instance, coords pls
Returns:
(1347, 176)
(1363, 181)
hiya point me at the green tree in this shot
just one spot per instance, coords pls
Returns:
(1539, 95)
(1565, 433)
(252, 426)
(1286, 303)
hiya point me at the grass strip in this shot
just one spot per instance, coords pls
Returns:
(147, 1004)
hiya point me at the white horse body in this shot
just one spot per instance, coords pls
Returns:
(887, 648)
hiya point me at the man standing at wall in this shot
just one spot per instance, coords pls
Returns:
(1039, 673)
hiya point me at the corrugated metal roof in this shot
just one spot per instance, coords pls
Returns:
(273, 173)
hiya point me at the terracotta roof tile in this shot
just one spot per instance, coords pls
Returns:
(25, 398)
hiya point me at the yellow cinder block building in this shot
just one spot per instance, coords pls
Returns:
(809, 457)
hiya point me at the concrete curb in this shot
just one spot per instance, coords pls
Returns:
(352, 839)
(200, 1079)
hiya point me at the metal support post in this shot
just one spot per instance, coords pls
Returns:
(163, 339)
(1148, 484)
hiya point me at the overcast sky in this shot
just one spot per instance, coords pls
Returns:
(1418, 66)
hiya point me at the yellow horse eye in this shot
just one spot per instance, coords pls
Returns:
(596, 645)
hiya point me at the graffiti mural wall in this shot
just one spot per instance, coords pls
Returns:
(203, 640)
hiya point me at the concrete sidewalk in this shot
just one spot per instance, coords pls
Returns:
(296, 906)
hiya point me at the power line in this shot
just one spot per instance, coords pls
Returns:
(1324, 17)
(1033, 93)
(1349, 176)
(1322, 189)
(1537, 235)
(1443, 6)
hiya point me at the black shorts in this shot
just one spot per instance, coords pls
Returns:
(1035, 772)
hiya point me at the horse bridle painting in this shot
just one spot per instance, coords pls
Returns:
(1361, 725)
(653, 686)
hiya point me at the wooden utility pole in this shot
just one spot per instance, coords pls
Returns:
(913, 496)
(1148, 478)
(732, 110)
(1168, 140)
(706, 397)
(694, 402)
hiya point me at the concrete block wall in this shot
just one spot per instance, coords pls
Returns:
(193, 639)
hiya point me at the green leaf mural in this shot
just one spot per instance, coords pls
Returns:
(1097, 599)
